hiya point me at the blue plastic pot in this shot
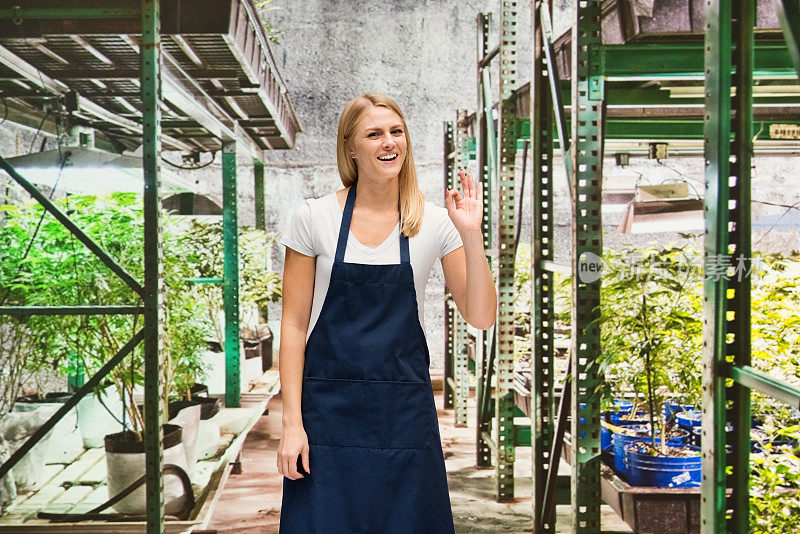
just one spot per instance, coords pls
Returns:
(662, 471)
(691, 420)
(671, 409)
(619, 441)
(606, 433)
(617, 418)
(757, 442)
(623, 406)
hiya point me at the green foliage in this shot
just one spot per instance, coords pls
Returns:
(202, 249)
(264, 7)
(651, 327)
(652, 304)
(776, 325)
(58, 270)
(774, 498)
(183, 310)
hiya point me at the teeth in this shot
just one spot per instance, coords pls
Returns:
(387, 158)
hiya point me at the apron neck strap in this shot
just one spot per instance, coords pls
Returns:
(344, 230)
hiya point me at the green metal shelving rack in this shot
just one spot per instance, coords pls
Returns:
(727, 376)
(151, 291)
(604, 100)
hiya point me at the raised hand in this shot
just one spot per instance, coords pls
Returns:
(466, 211)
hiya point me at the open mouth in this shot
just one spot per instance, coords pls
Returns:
(388, 157)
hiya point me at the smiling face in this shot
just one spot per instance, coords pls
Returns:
(379, 144)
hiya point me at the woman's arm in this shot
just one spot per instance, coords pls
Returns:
(466, 267)
(298, 295)
(466, 270)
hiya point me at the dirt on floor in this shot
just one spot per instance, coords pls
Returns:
(250, 502)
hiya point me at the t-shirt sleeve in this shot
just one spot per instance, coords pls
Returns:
(299, 235)
(449, 238)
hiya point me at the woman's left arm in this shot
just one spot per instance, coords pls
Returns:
(466, 270)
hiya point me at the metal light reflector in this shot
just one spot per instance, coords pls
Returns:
(91, 171)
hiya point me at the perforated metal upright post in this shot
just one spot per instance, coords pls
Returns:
(727, 341)
(587, 164)
(153, 283)
(506, 208)
(543, 309)
(258, 193)
(230, 288)
(461, 360)
(484, 144)
(449, 312)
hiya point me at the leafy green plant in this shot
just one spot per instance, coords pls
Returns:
(774, 493)
(776, 326)
(56, 269)
(202, 248)
(651, 327)
(184, 311)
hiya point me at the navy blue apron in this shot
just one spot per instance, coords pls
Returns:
(368, 409)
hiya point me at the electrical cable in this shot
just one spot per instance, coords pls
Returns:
(788, 208)
(521, 195)
(38, 226)
(38, 130)
(191, 168)
(757, 201)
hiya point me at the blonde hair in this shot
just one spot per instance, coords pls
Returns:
(412, 200)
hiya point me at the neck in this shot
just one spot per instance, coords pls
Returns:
(378, 197)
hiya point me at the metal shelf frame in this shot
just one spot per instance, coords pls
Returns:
(728, 146)
(600, 107)
(151, 290)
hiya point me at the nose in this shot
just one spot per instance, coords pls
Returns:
(387, 141)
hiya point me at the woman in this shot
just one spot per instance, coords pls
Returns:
(361, 451)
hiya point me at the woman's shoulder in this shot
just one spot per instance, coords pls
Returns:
(433, 212)
(314, 204)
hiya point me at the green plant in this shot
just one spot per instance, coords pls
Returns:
(56, 269)
(774, 493)
(651, 328)
(264, 7)
(49, 266)
(203, 249)
(186, 332)
(774, 319)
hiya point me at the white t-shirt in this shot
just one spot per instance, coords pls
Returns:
(314, 231)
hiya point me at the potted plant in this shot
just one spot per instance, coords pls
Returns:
(125, 462)
(203, 248)
(651, 335)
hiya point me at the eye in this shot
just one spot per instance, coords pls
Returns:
(372, 134)
(397, 131)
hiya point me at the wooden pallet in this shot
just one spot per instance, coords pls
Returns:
(80, 486)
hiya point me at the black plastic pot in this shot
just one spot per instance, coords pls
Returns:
(127, 442)
(252, 348)
(55, 396)
(199, 390)
(266, 351)
(260, 348)
(209, 406)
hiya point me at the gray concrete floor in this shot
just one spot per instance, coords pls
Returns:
(250, 502)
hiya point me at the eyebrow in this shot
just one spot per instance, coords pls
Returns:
(398, 125)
